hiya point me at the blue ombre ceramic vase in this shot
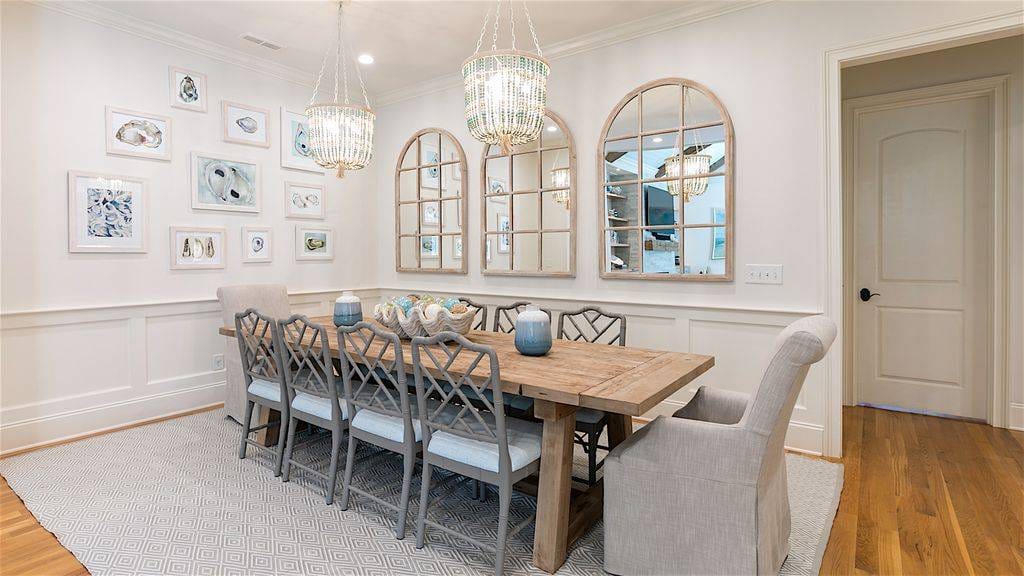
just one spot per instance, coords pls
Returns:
(533, 332)
(348, 310)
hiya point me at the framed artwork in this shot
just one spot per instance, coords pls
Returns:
(228, 184)
(497, 186)
(257, 244)
(242, 124)
(503, 239)
(197, 248)
(138, 134)
(314, 243)
(429, 247)
(718, 234)
(454, 169)
(430, 214)
(304, 200)
(295, 151)
(106, 213)
(187, 89)
(458, 247)
(488, 250)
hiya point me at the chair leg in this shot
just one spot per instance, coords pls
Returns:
(332, 472)
(346, 480)
(245, 428)
(281, 425)
(421, 516)
(288, 447)
(592, 440)
(504, 499)
(403, 502)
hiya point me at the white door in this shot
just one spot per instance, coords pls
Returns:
(922, 194)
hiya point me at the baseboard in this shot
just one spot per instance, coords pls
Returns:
(1016, 416)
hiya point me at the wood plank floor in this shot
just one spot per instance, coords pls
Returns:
(922, 495)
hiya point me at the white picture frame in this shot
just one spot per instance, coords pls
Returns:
(185, 84)
(305, 200)
(106, 213)
(257, 244)
(138, 134)
(244, 124)
(505, 239)
(292, 157)
(305, 251)
(183, 240)
(430, 247)
(224, 183)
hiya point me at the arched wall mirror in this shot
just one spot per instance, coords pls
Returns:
(430, 204)
(665, 168)
(528, 207)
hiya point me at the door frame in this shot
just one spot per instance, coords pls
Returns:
(997, 89)
(833, 273)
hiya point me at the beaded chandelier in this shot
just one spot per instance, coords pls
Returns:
(340, 134)
(506, 90)
(693, 164)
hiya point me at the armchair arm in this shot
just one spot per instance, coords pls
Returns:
(715, 405)
(693, 448)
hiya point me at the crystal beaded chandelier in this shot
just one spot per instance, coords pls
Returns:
(340, 133)
(506, 90)
(693, 164)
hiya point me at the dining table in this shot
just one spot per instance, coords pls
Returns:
(622, 381)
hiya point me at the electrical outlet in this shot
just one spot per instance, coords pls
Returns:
(764, 273)
(218, 361)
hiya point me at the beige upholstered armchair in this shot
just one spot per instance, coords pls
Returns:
(268, 299)
(705, 492)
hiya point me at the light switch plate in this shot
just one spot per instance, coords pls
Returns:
(218, 361)
(764, 273)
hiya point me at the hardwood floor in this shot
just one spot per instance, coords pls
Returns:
(922, 495)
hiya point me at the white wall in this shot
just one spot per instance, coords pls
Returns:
(99, 359)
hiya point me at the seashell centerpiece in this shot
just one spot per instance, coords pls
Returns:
(424, 315)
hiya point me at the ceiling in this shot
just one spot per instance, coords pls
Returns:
(411, 41)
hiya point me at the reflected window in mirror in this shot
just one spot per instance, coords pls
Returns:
(666, 184)
(528, 207)
(430, 204)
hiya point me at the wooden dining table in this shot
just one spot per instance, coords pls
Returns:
(622, 381)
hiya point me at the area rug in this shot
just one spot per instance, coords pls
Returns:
(173, 498)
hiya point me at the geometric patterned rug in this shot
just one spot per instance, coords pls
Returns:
(173, 498)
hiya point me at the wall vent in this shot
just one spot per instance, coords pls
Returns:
(261, 41)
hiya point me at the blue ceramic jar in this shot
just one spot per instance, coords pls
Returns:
(533, 332)
(348, 310)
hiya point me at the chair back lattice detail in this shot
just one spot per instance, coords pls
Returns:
(370, 381)
(307, 358)
(505, 316)
(457, 372)
(480, 322)
(258, 343)
(591, 324)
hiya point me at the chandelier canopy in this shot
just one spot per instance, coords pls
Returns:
(340, 133)
(505, 90)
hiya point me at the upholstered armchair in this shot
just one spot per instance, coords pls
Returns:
(268, 299)
(704, 492)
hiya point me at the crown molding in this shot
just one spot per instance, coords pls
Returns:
(151, 31)
(691, 13)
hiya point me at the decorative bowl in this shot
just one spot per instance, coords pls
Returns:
(418, 321)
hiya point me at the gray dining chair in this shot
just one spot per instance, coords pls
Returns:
(705, 492)
(480, 321)
(377, 395)
(591, 324)
(312, 393)
(459, 435)
(269, 299)
(259, 345)
(505, 316)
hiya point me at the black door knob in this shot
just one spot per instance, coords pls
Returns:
(866, 294)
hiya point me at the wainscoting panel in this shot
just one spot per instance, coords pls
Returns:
(179, 345)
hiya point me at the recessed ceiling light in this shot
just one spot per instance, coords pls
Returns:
(657, 140)
(552, 128)
(365, 59)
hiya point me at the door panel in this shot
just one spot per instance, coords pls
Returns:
(922, 192)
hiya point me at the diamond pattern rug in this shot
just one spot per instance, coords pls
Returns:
(173, 498)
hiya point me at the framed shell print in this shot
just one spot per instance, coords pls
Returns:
(187, 89)
(106, 213)
(314, 243)
(295, 151)
(197, 248)
(257, 244)
(242, 124)
(138, 134)
(304, 200)
(225, 184)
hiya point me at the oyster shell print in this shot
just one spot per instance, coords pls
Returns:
(140, 133)
(109, 213)
(187, 91)
(315, 242)
(257, 244)
(227, 184)
(248, 124)
(300, 143)
(300, 200)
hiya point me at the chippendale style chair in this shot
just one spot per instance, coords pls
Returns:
(481, 313)
(714, 498)
(259, 344)
(505, 316)
(312, 393)
(591, 324)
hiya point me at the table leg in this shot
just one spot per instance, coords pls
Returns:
(550, 540)
(620, 427)
(267, 436)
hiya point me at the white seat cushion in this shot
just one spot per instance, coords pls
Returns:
(524, 440)
(317, 406)
(265, 389)
(385, 426)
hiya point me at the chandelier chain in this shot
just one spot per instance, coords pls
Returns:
(339, 57)
(533, 33)
(359, 74)
(497, 18)
(319, 77)
(512, 22)
(483, 31)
